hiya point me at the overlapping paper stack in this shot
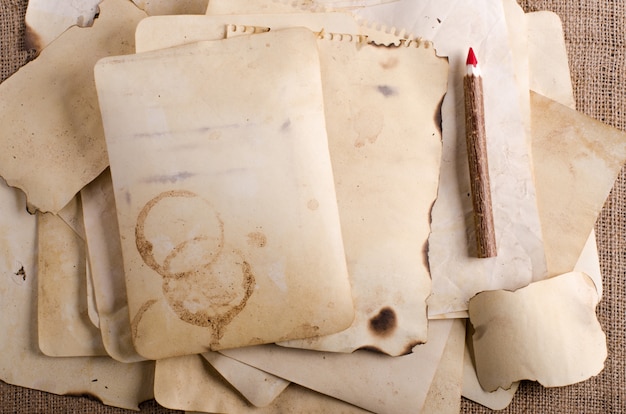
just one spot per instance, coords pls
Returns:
(286, 224)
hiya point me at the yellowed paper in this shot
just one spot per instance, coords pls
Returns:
(580, 158)
(457, 274)
(444, 394)
(547, 44)
(547, 58)
(172, 7)
(166, 31)
(72, 215)
(64, 325)
(547, 332)
(500, 398)
(545, 39)
(258, 387)
(245, 181)
(105, 253)
(370, 380)
(105, 257)
(92, 309)
(381, 109)
(284, 6)
(52, 142)
(47, 19)
(392, 138)
(517, 30)
(21, 361)
(189, 383)
(589, 262)
(495, 400)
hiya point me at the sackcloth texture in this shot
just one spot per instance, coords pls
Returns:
(595, 34)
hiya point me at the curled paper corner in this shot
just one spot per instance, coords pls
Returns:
(546, 332)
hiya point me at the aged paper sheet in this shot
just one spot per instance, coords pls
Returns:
(47, 19)
(21, 361)
(392, 148)
(105, 258)
(160, 32)
(546, 332)
(62, 317)
(258, 387)
(577, 160)
(256, 180)
(189, 383)
(284, 6)
(457, 275)
(52, 142)
(382, 107)
(172, 7)
(370, 380)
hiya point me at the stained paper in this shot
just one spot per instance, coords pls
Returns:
(245, 181)
(392, 148)
(457, 274)
(382, 106)
(52, 142)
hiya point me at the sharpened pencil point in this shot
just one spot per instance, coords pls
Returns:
(471, 58)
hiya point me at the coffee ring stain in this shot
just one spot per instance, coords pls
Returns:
(225, 300)
(206, 292)
(179, 248)
(134, 324)
(144, 246)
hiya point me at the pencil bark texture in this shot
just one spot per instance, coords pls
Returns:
(478, 166)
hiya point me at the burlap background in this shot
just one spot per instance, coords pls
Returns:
(595, 33)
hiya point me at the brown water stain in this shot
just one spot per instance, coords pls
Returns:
(368, 124)
(313, 204)
(390, 63)
(257, 239)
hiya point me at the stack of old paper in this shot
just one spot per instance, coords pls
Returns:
(271, 201)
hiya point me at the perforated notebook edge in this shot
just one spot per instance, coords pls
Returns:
(368, 35)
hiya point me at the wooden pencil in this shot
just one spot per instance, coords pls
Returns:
(477, 157)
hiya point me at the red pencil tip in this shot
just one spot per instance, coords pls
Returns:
(471, 58)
